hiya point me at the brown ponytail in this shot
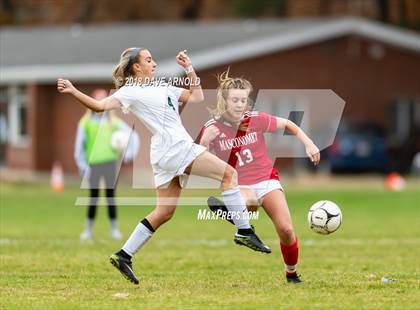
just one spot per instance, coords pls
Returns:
(121, 72)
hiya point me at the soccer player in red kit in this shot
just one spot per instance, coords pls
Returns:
(236, 135)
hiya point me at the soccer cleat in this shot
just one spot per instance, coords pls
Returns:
(115, 234)
(215, 204)
(293, 278)
(125, 267)
(86, 235)
(251, 241)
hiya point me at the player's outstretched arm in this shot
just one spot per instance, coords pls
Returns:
(195, 93)
(311, 149)
(108, 103)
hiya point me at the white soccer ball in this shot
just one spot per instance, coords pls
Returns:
(119, 140)
(324, 217)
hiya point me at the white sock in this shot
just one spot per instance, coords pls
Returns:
(138, 238)
(89, 225)
(237, 207)
(114, 224)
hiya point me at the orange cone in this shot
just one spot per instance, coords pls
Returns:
(57, 177)
(394, 182)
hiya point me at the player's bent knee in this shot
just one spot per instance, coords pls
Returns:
(229, 173)
(230, 178)
(287, 233)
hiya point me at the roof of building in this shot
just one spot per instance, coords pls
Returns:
(87, 53)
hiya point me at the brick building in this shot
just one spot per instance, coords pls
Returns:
(370, 65)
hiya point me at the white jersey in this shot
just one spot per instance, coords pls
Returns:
(157, 108)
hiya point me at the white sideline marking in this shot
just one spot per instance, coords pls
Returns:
(121, 295)
(305, 242)
(222, 242)
(145, 201)
(384, 241)
(5, 242)
(195, 242)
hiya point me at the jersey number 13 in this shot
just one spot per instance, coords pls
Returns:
(245, 158)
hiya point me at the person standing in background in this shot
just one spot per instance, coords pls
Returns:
(95, 155)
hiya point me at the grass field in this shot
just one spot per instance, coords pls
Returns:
(192, 264)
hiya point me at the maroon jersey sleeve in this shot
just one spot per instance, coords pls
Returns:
(266, 122)
(200, 134)
(206, 125)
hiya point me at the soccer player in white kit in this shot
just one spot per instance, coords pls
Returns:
(173, 152)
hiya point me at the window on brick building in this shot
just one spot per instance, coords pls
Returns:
(17, 114)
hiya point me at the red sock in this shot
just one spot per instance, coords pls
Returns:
(290, 255)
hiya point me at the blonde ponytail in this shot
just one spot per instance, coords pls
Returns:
(227, 83)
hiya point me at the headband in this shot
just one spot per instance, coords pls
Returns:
(133, 54)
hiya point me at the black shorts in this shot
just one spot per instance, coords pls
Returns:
(105, 170)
